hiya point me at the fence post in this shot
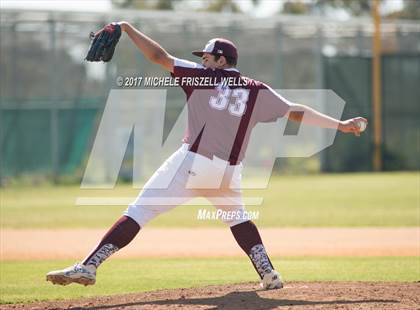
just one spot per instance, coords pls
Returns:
(376, 89)
(320, 84)
(54, 149)
(279, 61)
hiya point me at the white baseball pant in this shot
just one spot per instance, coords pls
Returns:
(186, 175)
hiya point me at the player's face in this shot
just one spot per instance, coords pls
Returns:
(208, 61)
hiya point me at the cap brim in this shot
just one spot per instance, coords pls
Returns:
(198, 53)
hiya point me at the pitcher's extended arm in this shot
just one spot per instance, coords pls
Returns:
(150, 49)
(315, 118)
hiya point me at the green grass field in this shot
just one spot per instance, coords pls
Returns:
(25, 281)
(338, 200)
(362, 199)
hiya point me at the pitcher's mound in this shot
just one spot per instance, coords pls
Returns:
(295, 295)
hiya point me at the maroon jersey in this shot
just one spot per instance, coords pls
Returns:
(223, 107)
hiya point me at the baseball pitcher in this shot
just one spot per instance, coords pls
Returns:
(221, 116)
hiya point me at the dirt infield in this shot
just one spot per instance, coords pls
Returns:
(216, 242)
(247, 296)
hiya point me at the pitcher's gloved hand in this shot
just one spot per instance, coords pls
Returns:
(103, 43)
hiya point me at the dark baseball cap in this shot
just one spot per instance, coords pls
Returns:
(219, 46)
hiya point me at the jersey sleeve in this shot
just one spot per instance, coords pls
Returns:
(184, 69)
(270, 105)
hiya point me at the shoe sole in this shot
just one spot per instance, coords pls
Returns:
(63, 280)
(276, 287)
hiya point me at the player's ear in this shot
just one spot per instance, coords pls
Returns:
(222, 61)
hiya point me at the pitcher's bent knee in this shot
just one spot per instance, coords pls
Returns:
(143, 214)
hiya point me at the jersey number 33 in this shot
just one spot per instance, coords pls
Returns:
(233, 99)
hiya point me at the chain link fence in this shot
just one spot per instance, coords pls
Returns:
(51, 99)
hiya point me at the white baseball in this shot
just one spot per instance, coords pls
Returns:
(362, 125)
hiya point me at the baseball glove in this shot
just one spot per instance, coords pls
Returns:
(103, 43)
